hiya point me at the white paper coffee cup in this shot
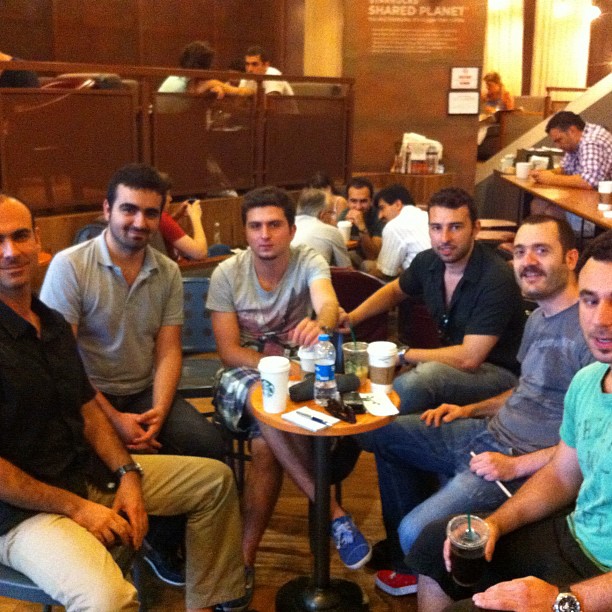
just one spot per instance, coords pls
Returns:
(274, 373)
(345, 229)
(605, 195)
(382, 359)
(307, 359)
(522, 170)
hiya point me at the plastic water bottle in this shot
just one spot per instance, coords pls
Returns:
(325, 371)
(217, 233)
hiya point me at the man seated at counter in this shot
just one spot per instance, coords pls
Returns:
(310, 231)
(256, 61)
(588, 153)
(199, 55)
(472, 296)
(405, 234)
(367, 226)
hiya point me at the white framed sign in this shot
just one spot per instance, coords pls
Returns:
(463, 102)
(465, 78)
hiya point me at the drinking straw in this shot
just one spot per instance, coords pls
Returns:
(499, 484)
(353, 336)
(469, 517)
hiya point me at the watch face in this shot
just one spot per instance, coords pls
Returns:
(567, 603)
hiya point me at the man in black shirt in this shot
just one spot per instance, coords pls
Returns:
(69, 489)
(472, 296)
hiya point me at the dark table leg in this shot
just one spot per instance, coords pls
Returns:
(320, 593)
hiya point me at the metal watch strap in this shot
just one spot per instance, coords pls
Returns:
(128, 467)
(566, 601)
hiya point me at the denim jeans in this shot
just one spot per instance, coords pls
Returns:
(407, 453)
(432, 383)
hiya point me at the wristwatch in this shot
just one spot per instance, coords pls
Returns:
(401, 355)
(566, 601)
(128, 467)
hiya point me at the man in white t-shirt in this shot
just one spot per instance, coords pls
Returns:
(405, 234)
(256, 61)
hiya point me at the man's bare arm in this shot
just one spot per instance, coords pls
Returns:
(558, 179)
(467, 356)
(383, 300)
(227, 333)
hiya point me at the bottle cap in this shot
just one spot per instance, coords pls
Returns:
(324, 337)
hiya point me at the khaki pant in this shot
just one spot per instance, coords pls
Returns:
(72, 566)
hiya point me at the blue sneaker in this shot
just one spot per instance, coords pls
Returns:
(353, 548)
(242, 603)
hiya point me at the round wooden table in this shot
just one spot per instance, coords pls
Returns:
(319, 592)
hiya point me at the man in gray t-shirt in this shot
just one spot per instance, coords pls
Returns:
(262, 300)
(510, 435)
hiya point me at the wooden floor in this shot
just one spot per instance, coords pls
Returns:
(284, 553)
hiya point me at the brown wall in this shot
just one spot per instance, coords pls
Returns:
(150, 32)
(401, 64)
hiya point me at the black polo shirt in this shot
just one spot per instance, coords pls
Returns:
(486, 302)
(42, 388)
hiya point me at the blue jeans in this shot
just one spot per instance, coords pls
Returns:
(432, 383)
(407, 453)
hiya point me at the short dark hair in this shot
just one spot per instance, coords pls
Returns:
(197, 54)
(359, 182)
(454, 198)
(392, 193)
(254, 50)
(320, 180)
(567, 238)
(269, 196)
(599, 249)
(564, 121)
(140, 177)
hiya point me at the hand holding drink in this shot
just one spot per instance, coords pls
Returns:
(468, 536)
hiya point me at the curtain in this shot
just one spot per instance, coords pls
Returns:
(561, 45)
(504, 42)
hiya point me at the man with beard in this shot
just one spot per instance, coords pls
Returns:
(124, 301)
(262, 301)
(472, 297)
(510, 435)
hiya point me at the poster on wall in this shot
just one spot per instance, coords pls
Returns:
(421, 29)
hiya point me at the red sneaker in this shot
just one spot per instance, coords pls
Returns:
(395, 583)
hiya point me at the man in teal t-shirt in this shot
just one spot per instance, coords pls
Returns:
(544, 555)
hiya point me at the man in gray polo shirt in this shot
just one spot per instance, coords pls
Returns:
(124, 301)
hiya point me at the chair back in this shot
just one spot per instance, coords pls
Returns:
(352, 288)
(15, 585)
(198, 335)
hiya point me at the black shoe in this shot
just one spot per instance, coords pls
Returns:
(242, 603)
(385, 555)
(170, 570)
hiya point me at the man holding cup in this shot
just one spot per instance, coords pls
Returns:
(261, 302)
(557, 529)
